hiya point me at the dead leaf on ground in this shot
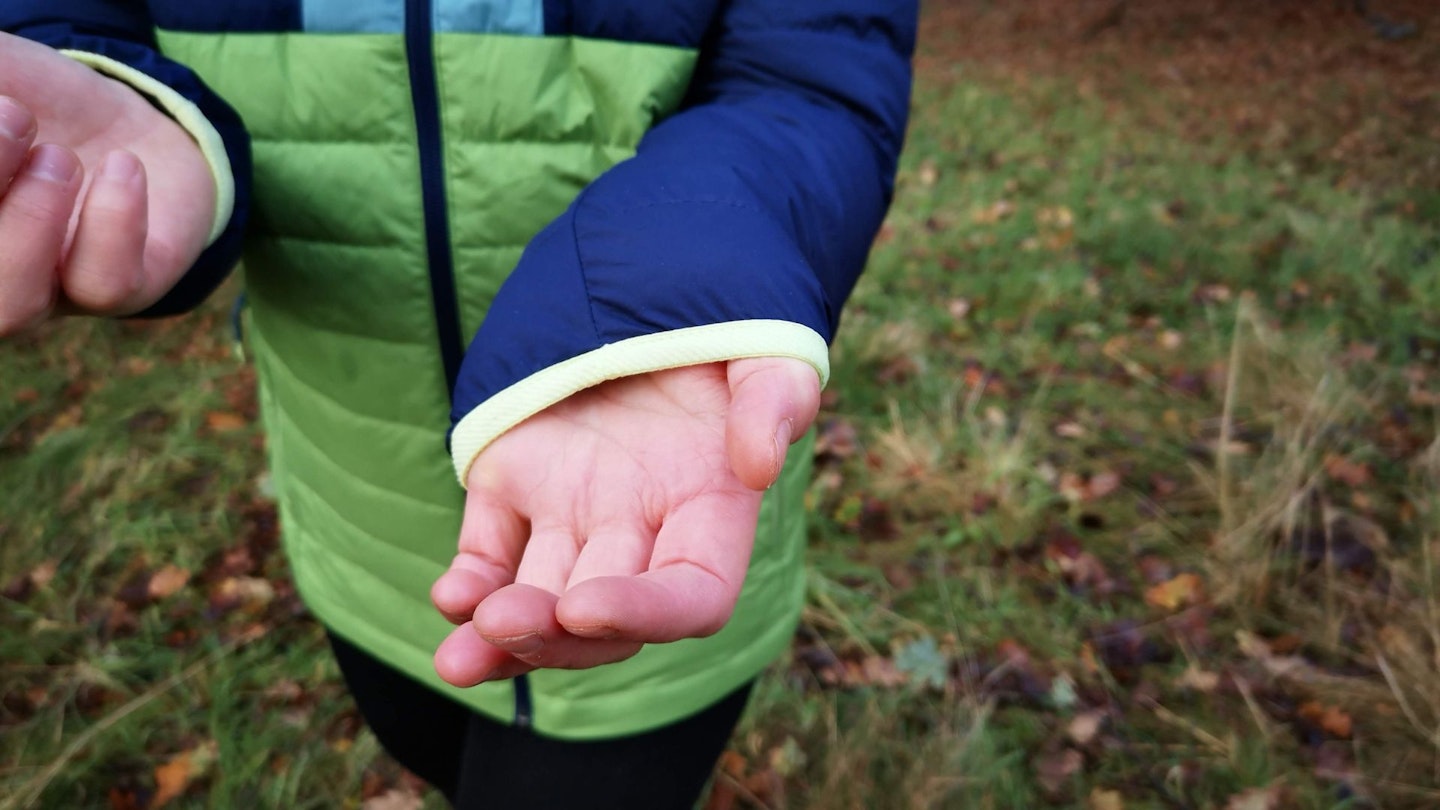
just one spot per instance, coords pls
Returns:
(836, 440)
(1085, 726)
(24, 586)
(224, 421)
(1103, 483)
(393, 799)
(167, 581)
(1105, 800)
(241, 592)
(928, 173)
(1054, 770)
(877, 670)
(1280, 666)
(1199, 680)
(1330, 719)
(1175, 593)
(993, 213)
(1271, 797)
(1074, 487)
(173, 777)
(1351, 473)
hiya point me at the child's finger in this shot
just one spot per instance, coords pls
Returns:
(470, 579)
(773, 400)
(520, 620)
(104, 273)
(17, 133)
(465, 659)
(696, 572)
(613, 552)
(549, 557)
(492, 539)
(34, 217)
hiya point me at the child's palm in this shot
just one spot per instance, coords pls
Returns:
(621, 516)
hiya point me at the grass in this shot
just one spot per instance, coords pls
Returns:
(1126, 497)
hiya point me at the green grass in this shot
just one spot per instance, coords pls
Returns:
(1059, 317)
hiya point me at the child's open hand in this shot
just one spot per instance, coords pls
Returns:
(104, 201)
(622, 516)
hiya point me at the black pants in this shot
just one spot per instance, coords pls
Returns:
(480, 764)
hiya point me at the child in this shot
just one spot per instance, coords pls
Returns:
(647, 216)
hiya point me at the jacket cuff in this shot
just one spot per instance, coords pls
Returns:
(690, 346)
(187, 115)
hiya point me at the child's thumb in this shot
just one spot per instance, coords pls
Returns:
(773, 401)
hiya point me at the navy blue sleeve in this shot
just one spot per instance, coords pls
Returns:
(758, 200)
(121, 30)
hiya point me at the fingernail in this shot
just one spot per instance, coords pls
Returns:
(52, 163)
(782, 446)
(120, 168)
(16, 122)
(522, 645)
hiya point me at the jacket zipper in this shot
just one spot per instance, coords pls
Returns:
(424, 94)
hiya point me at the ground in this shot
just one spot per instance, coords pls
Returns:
(1125, 491)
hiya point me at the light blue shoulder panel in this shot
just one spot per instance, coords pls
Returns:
(518, 17)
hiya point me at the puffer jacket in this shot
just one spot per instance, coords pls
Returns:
(576, 191)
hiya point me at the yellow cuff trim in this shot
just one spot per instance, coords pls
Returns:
(641, 355)
(187, 115)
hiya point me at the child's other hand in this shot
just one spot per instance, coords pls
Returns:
(622, 516)
(104, 201)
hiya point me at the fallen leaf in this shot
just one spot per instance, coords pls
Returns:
(1175, 593)
(1331, 719)
(1262, 798)
(167, 581)
(24, 586)
(1103, 483)
(1280, 666)
(136, 366)
(393, 799)
(1055, 770)
(837, 439)
(174, 776)
(993, 213)
(1085, 726)
(1198, 680)
(928, 174)
(224, 421)
(1105, 800)
(236, 592)
(1339, 468)
(877, 670)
